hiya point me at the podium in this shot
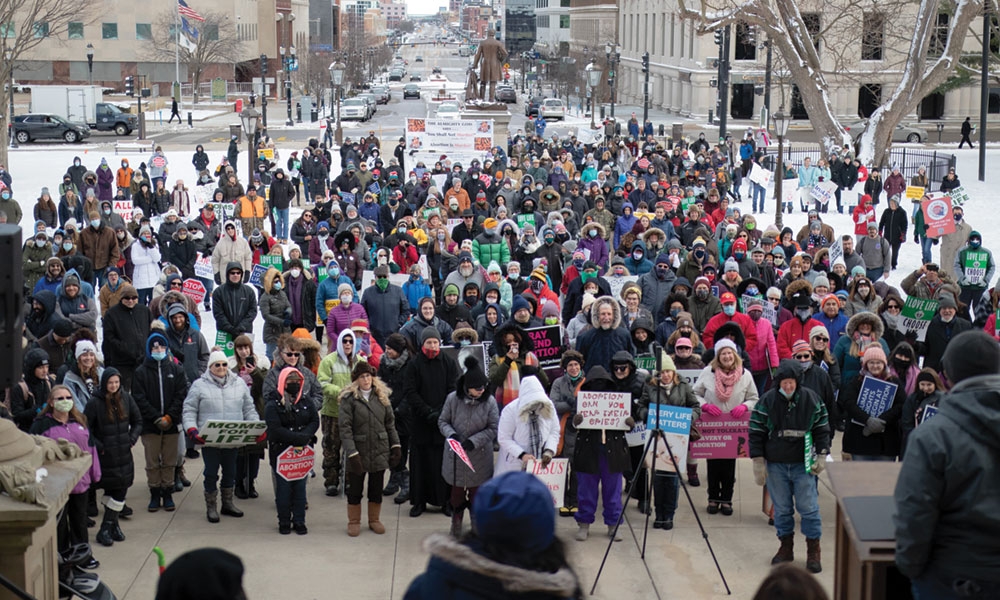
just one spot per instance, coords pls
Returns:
(865, 565)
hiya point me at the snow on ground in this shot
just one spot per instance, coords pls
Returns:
(37, 166)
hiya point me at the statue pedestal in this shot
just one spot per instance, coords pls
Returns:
(28, 532)
(500, 116)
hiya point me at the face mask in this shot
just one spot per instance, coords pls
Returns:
(752, 290)
(277, 285)
(5, 195)
(296, 272)
(701, 294)
(67, 246)
(729, 309)
(549, 240)
(536, 286)
(95, 223)
(293, 388)
(784, 393)
(346, 299)
(76, 163)
(699, 254)
(755, 315)
(803, 314)
(107, 211)
(958, 217)
(432, 354)
(158, 355)
(323, 235)
(637, 256)
(674, 312)
(382, 284)
(333, 270)
(440, 237)
(975, 244)
(749, 226)
(146, 239)
(739, 255)
(465, 342)
(592, 233)
(63, 405)
(414, 278)
(585, 277)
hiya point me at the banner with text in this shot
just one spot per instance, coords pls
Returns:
(875, 397)
(722, 437)
(916, 316)
(674, 423)
(548, 348)
(232, 434)
(938, 216)
(604, 410)
(461, 139)
(553, 476)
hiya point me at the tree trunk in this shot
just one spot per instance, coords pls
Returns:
(5, 130)
(875, 142)
(196, 84)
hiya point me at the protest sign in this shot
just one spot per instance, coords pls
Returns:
(760, 175)
(810, 452)
(938, 216)
(456, 447)
(916, 316)
(604, 410)
(374, 188)
(273, 260)
(295, 463)
(769, 313)
(674, 424)
(459, 354)
(257, 275)
(553, 475)
(789, 190)
(123, 208)
(958, 196)
(836, 250)
(637, 435)
(232, 434)
(267, 153)
(929, 411)
(722, 437)
(528, 219)
(452, 223)
(225, 341)
(224, 209)
(875, 397)
(195, 290)
(347, 197)
(689, 376)
(915, 192)
(975, 265)
(439, 181)
(645, 362)
(824, 191)
(617, 283)
(203, 267)
(548, 348)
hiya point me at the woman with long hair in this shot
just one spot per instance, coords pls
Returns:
(45, 210)
(84, 375)
(60, 420)
(873, 437)
(115, 424)
(724, 386)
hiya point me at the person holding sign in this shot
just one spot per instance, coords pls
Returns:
(724, 386)
(943, 328)
(219, 394)
(788, 426)
(974, 269)
(929, 393)
(873, 435)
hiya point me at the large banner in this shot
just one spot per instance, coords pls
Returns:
(230, 434)
(722, 437)
(604, 410)
(548, 348)
(938, 216)
(461, 140)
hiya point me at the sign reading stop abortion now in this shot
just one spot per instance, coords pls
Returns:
(604, 410)
(232, 434)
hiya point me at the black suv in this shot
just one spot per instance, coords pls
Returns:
(532, 105)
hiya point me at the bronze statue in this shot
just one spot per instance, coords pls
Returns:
(490, 59)
(472, 86)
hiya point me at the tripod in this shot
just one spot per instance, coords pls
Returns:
(652, 441)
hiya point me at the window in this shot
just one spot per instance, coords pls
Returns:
(74, 30)
(564, 3)
(211, 32)
(873, 36)
(7, 30)
(940, 38)
(542, 21)
(109, 31)
(563, 21)
(41, 29)
(745, 44)
(143, 31)
(812, 21)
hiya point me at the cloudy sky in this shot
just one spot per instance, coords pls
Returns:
(424, 7)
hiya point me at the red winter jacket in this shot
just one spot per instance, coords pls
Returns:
(792, 331)
(745, 323)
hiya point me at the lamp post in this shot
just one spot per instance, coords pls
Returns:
(593, 80)
(781, 122)
(8, 55)
(90, 62)
(337, 79)
(613, 53)
(248, 118)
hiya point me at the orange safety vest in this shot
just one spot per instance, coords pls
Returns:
(250, 210)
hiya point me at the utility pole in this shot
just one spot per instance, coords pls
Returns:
(767, 78)
(984, 100)
(645, 87)
(263, 90)
(724, 81)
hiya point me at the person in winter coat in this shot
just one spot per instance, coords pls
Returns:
(385, 305)
(864, 213)
(945, 543)
(187, 344)
(563, 396)
(872, 436)
(593, 244)
(943, 329)
(234, 304)
(126, 327)
(862, 298)
(656, 285)
(73, 305)
(280, 197)
(973, 279)
(489, 246)
(728, 315)
(300, 287)
(275, 310)
(895, 184)
(528, 429)
(98, 243)
(115, 426)
(29, 396)
(218, 394)
(765, 355)
(10, 207)
(292, 422)
(724, 386)
(40, 320)
(391, 371)
(230, 248)
(180, 200)
(778, 458)
(430, 377)
(146, 258)
(183, 251)
(951, 243)
(892, 227)
(876, 252)
(334, 375)
(340, 317)
(45, 210)
(799, 297)
(36, 253)
(928, 393)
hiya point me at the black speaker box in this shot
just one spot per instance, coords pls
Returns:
(11, 305)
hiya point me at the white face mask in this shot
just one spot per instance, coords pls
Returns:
(296, 272)
(346, 299)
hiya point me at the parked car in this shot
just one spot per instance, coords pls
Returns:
(411, 90)
(448, 110)
(418, 59)
(382, 94)
(46, 126)
(553, 108)
(436, 70)
(416, 77)
(354, 109)
(531, 106)
(372, 103)
(507, 94)
(901, 133)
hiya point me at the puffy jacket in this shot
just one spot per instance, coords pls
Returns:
(489, 246)
(80, 309)
(764, 355)
(24, 407)
(188, 346)
(745, 323)
(234, 306)
(778, 425)
(208, 399)
(100, 246)
(655, 292)
(125, 333)
(292, 424)
(387, 311)
(335, 375)
(34, 258)
(209, 234)
(367, 427)
(114, 437)
(228, 250)
(515, 431)
(147, 265)
(159, 388)
(77, 434)
(274, 308)
(792, 331)
(886, 443)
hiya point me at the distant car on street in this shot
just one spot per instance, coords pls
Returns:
(46, 126)
(506, 94)
(418, 59)
(448, 110)
(354, 109)
(411, 90)
(553, 108)
(382, 94)
(531, 106)
(416, 77)
(436, 70)
(901, 133)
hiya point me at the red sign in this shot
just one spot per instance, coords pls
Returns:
(295, 463)
(938, 216)
(194, 290)
(456, 447)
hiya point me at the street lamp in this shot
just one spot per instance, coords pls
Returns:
(90, 62)
(593, 80)
(248, 118)
(337, 79)
(781, 122)
(613, 53)
(9, 57)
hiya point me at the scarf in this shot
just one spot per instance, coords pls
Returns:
(512, 383)
(535, 435)
(725, 383)
(295, 297)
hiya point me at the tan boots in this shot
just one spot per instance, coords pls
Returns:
(354, 519)
(374, 510)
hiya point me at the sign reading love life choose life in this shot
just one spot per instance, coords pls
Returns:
(916, 316)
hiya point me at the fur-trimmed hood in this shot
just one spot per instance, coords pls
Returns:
(465, 333)
(601, 232)
(594, 310)
(510, 326)
(797, 286)
(741, 289)
(877, 328)
(379, 390)
(531, 398)
(269, 278)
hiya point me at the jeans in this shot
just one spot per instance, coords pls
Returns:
(610, 489)
(209, 284)
(215, 458)
(791, 488)
(100, 278)
(757, 191)
(269, 348)
(666, 488)
(932, 586)
(926, 244)
(281, 222)
(145, 295)
(875, 274)
(289, 499)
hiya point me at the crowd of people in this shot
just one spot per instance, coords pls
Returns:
(371, 289)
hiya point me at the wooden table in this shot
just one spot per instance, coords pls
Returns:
(862, 567)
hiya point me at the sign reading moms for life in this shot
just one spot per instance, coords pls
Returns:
(604, 410)
(232, 434)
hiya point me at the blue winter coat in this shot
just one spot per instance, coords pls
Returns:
(624, 223)
(641, 267)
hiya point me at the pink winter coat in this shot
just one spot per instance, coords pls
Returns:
(78, 434)
(764, 355)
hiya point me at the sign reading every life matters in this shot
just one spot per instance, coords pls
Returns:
(604, 410)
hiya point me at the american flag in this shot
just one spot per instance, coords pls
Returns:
(187, 11)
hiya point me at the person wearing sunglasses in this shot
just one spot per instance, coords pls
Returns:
(60, 420)
(334, 375)
(218, 394)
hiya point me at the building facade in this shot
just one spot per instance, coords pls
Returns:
(552, 27)
(519, 25)
(394, 13)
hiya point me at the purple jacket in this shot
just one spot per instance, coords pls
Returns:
(598, 250)
(79, 435)
(105, 184)
(339, 318)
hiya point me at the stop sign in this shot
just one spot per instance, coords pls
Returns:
(195, 290)
(295, 463)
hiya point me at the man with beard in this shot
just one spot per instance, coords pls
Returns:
(466, 273)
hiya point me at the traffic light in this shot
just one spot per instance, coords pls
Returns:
(718, 37)
(645, 62)
(130, 86)
(263, 64)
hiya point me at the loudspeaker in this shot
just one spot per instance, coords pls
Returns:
(11, 305)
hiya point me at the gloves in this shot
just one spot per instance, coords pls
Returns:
(164, 423)
(193, 434)
(740, 410)
(759, 471)
(261, 438)
(629, 422)
(916, 238)
(395, 455)
(354, 465)
(454, 436)
(546, 458)
(218, 279)
(873, 425)
(468, 446)
(711, 409)
(819, 465)
(577, 420)
(286, 323)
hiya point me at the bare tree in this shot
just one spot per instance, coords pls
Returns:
(313, 75)
(217, 43)
(827, 46)
(24, 25)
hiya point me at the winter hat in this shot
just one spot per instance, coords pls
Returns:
(755, 307)
(202, 573)
(818, 331)
(362, 368)
(702, 280)
(429, 333)
(926, 375)
(739, 245)
(858, 270)
(474, 375)
(875, 352)
(684, 319)
(683, 343)
(83, 347)
(667, 363)
(801, 298)
(732, 265)
(815, 225)
(359, 325)
(63, 327)
(464, 256)
(345, 288)
(570, 356)
(617, 260)
(451, 290)
(517, 304)
(969, 354)
(842, 294)
(539, 273)
(217, 356)
(397, 342)
(515, 510)
(588, 299)
(800, 346)
(726, 343)
(947, 301)
(663, 259)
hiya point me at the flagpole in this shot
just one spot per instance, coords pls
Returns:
(177, 46)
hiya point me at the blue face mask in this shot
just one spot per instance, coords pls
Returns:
(67, 246)
(674, 312)
(95, 223)
(592, 233)
(333, 270)
(158, 356)
(752, 290)
(276, 285)
(729, 309)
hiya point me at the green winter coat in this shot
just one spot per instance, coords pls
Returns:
(34, 258)
(489, 247)
(335, 375)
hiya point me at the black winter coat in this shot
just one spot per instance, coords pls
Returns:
(182, 254)
(114, 437)
(892, 226)
(588, 441)
(886, 443)
(939, 334)
(25, 407)
(289, 425)
(159, 388)
(125, 333)
(234, 307)
(428, 383)
(282, 192)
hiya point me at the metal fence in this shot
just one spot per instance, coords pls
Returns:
(233, 88)
(907, 159)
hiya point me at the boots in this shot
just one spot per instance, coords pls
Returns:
(582, 532)
(354, 520)
(393, 486)
(154, 500)
(211, 506)
(180, 481)
(785, 552)
(110, 532)
(228, 508)
(241, 490)
(813, 556)
(614, 534)
(456, 522)
(693, 480)
(167, 494)
(374, 510)
(404, 488)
